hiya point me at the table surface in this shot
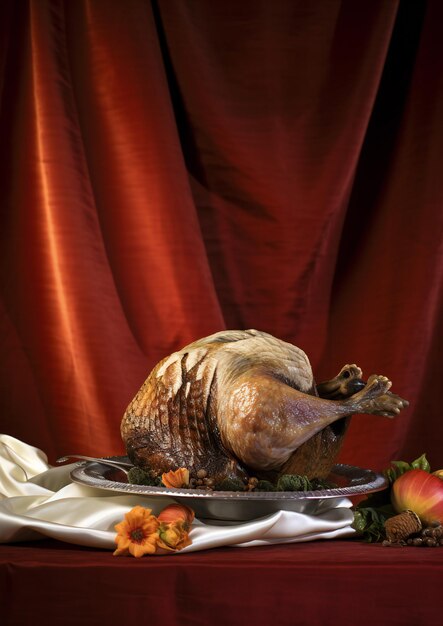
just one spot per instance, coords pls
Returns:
(322, 582)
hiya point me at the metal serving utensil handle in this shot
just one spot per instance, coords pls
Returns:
(123, 465)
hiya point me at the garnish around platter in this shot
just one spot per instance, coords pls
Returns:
(409, 512)
(236, 505)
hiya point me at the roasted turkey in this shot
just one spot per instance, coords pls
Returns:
(242, 403)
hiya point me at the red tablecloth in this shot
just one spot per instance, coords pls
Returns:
(321, 583)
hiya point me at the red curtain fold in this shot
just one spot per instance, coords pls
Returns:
(174, 168)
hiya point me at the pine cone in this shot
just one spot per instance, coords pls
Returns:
(402, 526)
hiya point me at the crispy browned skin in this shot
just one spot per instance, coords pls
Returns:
(241, 403)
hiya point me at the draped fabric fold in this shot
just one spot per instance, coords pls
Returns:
(170, 169)
(37, 501)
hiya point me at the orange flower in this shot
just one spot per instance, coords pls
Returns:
(176, 479)
(175, 512)
(173, 536)
(137, 533)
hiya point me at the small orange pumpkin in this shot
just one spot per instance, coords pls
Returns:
(175, 512)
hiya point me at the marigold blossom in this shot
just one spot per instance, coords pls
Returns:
(137, 534)
(176, 479)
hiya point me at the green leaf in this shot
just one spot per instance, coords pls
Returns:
(369, 522)
(421, 463)
(359, 524)
(401, 467)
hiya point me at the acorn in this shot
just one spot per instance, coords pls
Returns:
(402, 526)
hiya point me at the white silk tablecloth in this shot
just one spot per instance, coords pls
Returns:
(37, 500)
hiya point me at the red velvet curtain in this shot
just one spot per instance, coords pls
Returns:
(171, 168)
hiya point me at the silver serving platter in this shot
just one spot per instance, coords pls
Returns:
(234, 505)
